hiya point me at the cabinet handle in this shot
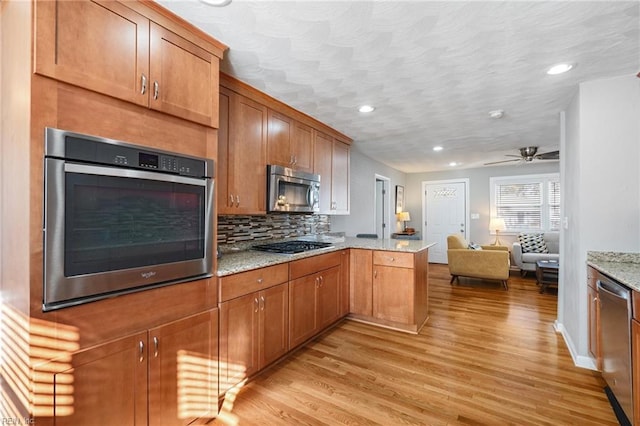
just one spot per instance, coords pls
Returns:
(317, 282)
(156, 90)
(375, 274)
(143, 84)
(231, 197)
(237, 201)
(291, 160)
(392, 259)
(156, 344)
(256, 303)
(262, 302)
(259, 280)
(321, 280)
(141, 351)
(295, 160)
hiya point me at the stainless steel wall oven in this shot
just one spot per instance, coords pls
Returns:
(120, 218)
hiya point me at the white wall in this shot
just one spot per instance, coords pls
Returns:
(602, 202)
(363, 186)
(479, 194)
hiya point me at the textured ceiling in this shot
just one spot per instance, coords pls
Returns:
(433, 70)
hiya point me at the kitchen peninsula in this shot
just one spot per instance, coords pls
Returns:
(272, 303)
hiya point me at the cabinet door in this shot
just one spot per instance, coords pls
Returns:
(392, 289)
(107, 382)
(247, 156)
(302, 147)
(594, 325)
(184, 78)
(98, 45)
(361, 282)
(328, 306)
(238, 339)
(183, 370)
(274, 323)
(279, 138)
(222, 171)
(322, 155)
(344, 283)
(302, 309)
(635, 358)
(340, 178)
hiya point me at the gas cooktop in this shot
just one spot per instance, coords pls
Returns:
(291, 247)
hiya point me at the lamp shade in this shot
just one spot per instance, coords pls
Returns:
(497, 224)
(403, 217)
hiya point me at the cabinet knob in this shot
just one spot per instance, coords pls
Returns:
(259, 280)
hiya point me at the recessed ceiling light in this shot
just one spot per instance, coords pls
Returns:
(453, 164)
(559, 69)
(216, 3)
(498, 113)
(366, 108)
(437, 148)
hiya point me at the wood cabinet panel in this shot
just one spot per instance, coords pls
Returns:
(183, 370)
(310, 265)
(302, 147)
(636, 305)
(279, 137)
(183, 78)
(594, 325)
(393, 294)
(340, 170)
(393, 258)
(236, 285)
(344, 282)
(322, 157)
(239, 336)
(242, 155)
(361, 282)
(274, 323)
(635, 358)
(107, 382)
(328, 297)
(302, 309)
(102, 46)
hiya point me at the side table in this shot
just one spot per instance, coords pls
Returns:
(547, 273)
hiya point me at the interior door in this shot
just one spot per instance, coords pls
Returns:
(445, 212)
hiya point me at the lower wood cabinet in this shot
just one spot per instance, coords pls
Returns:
(594, 318)
(314, 295)
(344, 283)
(253, 333)
(390, 288)
(635, 357)
(167, 375)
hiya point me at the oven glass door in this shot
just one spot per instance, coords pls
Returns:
(114, 223)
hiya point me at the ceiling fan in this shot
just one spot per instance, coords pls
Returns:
(528, 154)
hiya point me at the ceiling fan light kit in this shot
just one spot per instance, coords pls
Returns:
(498, 113)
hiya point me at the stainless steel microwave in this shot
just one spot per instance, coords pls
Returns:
(120, 218)
(291, 191)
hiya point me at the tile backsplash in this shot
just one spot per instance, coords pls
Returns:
(234, 229)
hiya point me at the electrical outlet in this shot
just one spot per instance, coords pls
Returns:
(475, 215)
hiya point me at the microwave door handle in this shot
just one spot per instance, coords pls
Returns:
(309, 200)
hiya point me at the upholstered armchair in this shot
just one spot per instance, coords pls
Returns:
(490, 262)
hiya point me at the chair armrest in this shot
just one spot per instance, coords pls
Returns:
(516, 252)
(499, 248)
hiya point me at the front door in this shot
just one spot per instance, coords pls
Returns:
(445, 211)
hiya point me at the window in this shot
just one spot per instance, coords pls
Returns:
(527, 203)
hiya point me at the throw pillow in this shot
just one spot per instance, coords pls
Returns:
(473, 246)
(533, 243)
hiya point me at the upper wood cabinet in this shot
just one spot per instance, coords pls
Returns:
(331, 160)
(109, 48)
(289, 142)
(242, 174)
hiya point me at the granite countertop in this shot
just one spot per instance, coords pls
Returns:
(622, 267)
(233, 262)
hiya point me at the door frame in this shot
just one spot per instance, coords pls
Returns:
(467, 208)
(387, 203)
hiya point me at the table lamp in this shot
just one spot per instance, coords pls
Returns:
(403, 217)
(497, 224)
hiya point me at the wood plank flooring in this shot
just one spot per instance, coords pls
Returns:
(486, 356)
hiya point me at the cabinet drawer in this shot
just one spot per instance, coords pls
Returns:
(393, 258)
(636, 305)
(237, 285)
(311, 265)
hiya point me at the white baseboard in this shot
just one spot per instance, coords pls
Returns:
(578, 360)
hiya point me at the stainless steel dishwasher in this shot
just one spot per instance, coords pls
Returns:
(615, 323)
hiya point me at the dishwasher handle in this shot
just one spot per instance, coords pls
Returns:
(615, 290)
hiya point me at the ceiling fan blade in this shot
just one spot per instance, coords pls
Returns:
(551, 155)
(511, 155)
(504, 161)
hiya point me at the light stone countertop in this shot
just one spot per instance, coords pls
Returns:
(233, 262)
(622, 267)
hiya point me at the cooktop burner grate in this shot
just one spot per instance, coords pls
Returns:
(291, 247)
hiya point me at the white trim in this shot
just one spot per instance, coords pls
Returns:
(387, 218)
(578, 360)
(467, 209)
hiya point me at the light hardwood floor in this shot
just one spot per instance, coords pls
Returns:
(486, 356)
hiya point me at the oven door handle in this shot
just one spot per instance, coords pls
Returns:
(130, 173)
